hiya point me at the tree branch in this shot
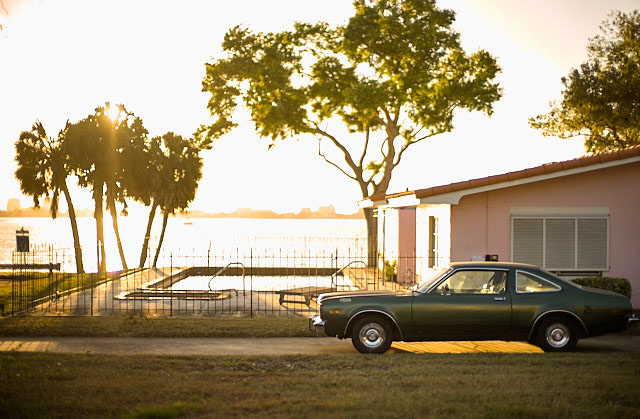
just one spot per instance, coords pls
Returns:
(416, 133)
(366, 145)
(384, 154)
(347, 156)
(397, 117)
(407, 144)
(332, 163)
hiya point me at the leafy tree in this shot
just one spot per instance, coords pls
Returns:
(95, 146)
(43, 168)
(393, 76)
(601, 99)
(179, 169)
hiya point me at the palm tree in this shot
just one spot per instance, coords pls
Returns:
(96, 143)
(179, 173)
(43, 168)
(141, 160)
(128, 129)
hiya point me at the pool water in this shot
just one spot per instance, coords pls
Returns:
(258, 283)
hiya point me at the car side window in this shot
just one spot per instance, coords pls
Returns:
(474, 282)
(528, 283)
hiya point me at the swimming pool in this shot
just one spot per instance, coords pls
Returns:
(260, 283)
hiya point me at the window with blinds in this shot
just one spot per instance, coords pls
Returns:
(561, 243)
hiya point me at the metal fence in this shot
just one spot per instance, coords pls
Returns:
(245, 283)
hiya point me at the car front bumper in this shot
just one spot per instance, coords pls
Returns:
(316, 324)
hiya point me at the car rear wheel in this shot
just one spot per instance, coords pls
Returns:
(557, 334)
(371, 335)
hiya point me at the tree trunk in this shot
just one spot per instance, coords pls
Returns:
(114, 221)
(74, 229)
(147, 234)
(98, 215)
(372, 236)
(165, 217)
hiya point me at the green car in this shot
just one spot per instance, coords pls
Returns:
(475, 301)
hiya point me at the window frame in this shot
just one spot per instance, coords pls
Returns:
(576, 218)
(558, 288)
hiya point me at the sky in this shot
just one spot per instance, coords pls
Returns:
(61, 59)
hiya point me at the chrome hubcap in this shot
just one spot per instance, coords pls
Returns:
(558, 335)
(372, 335)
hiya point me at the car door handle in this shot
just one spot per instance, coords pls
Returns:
(499, 298)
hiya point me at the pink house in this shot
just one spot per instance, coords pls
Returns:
(576, 218)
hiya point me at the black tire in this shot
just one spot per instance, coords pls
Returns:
(557, 334)
(371, 335)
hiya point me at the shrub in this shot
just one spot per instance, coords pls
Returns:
(619, 285)
(391, 271)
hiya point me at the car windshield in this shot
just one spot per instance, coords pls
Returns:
(425, 284)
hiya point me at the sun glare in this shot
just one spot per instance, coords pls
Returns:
(113, 112)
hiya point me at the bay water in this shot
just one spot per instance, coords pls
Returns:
(197, 237)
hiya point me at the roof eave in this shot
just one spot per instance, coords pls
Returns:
(453, 197)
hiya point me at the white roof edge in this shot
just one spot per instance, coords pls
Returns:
(454, 197)
(404, 201)
(369, 203)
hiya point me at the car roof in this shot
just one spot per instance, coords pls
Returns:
(502, 265)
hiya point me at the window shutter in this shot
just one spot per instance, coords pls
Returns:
(527, 241)
(592, 244)
(560, 243)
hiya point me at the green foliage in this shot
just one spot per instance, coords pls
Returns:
(601, 98)
(619, 285)
(33, 157)
(395, 74)
(95, 145)
(177, 165)
(391, 271)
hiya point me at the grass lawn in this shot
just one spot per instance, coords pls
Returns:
(397, 385)
(135, 326)
(36, 285)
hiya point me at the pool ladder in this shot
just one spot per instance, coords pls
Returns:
(334, 276)
(221, 271)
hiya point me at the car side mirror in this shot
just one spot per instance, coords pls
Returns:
(445, 290)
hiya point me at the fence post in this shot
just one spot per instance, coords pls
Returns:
(91, 285)
(251, 290)
(171, 285)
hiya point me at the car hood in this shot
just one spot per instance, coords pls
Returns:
(360, 294)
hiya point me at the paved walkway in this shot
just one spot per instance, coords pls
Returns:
(283, 346)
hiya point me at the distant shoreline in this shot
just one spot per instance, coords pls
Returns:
(324, 213)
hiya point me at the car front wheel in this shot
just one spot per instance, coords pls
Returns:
(557, 334)
(371, 335)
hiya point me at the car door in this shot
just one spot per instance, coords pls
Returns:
(468, 304)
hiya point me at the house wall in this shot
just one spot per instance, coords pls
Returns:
(481, 223)
(388, 234)
(406, 245)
